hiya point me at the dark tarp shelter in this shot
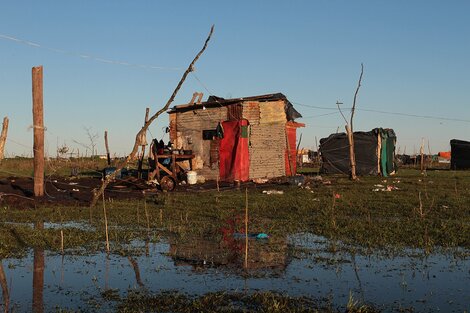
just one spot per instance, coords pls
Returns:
(459, 154)
(374, 151)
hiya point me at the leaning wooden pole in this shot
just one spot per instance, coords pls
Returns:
(38, 130)
(131, 156)
(3, 137)
(350, 131)
(108, 156)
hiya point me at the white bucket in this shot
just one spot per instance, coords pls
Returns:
(192, 177)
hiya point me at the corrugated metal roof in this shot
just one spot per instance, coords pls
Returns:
(214, 101)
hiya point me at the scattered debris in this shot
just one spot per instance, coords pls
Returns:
(201, 179)
(260, 180)
(388, 188)
(251, 236)
(273, 192)
(317, 178)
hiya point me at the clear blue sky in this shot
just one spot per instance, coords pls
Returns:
(415, 55)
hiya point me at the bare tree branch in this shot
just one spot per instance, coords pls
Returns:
(97, 193)
(340, 111)
(353, 109)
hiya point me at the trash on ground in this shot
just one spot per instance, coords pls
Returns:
(260, 180)
(273, 192)
(388, 188)
(251, 236)
(317, 178)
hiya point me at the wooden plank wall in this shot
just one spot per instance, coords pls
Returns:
(191, 126)
(267, 138)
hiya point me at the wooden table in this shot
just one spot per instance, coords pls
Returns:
(173, 165)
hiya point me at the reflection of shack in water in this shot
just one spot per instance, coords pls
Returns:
(230, 252)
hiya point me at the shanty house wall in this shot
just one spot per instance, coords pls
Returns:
(190, 125)
(267, 138)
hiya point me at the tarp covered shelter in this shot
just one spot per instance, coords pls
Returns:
(374, 151)
(460, 154)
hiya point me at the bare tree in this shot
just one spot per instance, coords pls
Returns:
(97, 193)
(62, 150)
(93, 138)
(350, 130)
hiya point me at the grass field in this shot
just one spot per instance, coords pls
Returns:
(429, 211)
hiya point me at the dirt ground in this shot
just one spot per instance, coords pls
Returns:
(18, 192)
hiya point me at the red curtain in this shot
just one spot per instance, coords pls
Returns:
(234, 162)
(291, 151)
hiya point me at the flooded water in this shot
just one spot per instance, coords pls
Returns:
(299, 265)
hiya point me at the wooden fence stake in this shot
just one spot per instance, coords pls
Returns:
(3, 137)
(246, 227)
(105, 223)
(421, 151)
(38, 129)
(108, 156)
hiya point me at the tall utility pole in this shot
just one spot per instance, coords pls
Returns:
(38, 129)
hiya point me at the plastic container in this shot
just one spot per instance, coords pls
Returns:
(192, 177)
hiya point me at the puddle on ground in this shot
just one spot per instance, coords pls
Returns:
(44, 281)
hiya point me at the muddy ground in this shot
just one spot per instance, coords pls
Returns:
(18, 192)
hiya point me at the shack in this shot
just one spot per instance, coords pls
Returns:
(459, 155)
(374, 152)
(237, 139)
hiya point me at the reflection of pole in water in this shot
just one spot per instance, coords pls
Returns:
(135, 266)
(38, 276)
(106, 273)
(5, 291)
(353, 258)
(62, 270)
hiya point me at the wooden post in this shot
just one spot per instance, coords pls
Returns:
(246, 227)
(38, 128)
(299, 160)
(430, 155)
(3, 137)
(421, 151)
(108, 156)
(105, 224)
(352, 155)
